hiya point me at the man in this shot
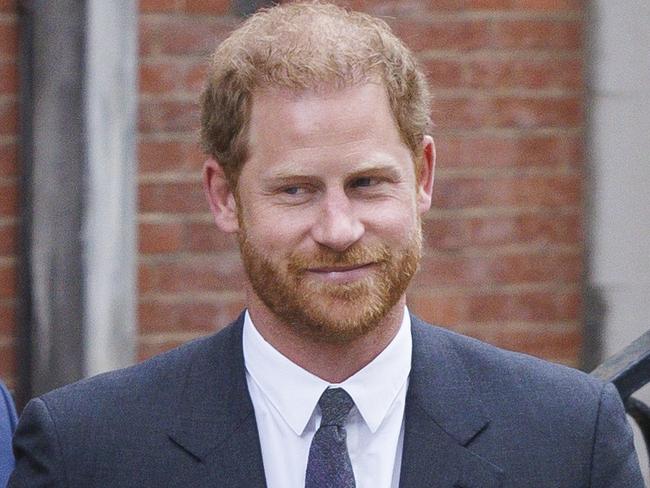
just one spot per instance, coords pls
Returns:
(316, 121)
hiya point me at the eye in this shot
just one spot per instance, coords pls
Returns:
(294, 190)
(364, 182)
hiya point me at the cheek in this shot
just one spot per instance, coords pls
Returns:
(392, 221)
(273, 231)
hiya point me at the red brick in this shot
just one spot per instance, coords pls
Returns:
(8, 118)
(147, 278)
(386, 8)
(457, 35)
(507, 112)
(147, 37)
(7, 360)
(443, 73)
(8, 159)
(165, 155)
(504, 152)
(160, 238)
(168, 116)
(391, 7)
(463, 112)
(205, 237)
(478, 271)
(437, 308)
(553, 268)
(8, 239)
(166, 317)
(8, 199)
(204, 275)
(440, 270)
(8, 78)
(550, 344)
(538, 34)
(213, 7)
(446, 234)
(8, 318)
(8, 39)
(148, 350)
(563, 74)
(8, 6)
(535, 229)
(474, 4)
(534, 5)
(172, 197)
(545, 230)
(193, 36)
(547, 191)
(549, 5)
(546, 306)
(159, 77)
(158, 6)
(196, 76)
(169, 77)
(8, 281)
(537, 113)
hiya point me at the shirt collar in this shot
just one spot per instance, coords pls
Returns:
(294, 392)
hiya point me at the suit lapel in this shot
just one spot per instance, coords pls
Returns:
(442, 417)
(215, 421)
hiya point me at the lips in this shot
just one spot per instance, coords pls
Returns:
(341, 274)
(338, 269)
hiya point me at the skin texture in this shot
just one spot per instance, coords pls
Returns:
(328, 219)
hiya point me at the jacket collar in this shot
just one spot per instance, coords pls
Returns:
(443, 415)
(215, 421)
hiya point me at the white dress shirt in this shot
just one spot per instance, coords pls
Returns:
(285, 399)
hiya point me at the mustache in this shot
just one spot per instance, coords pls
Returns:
(357, 255)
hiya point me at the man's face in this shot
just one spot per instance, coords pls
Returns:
(329, 210)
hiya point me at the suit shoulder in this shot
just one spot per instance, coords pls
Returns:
(154, 379)
(511, 371)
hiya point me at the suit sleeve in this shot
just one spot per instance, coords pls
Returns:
(39, 460)
(614, 462)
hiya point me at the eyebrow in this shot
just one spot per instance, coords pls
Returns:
(389, 171)
(372, 169)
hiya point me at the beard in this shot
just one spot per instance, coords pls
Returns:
(325, 311)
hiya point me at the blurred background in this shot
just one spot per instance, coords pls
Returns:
(537, 240)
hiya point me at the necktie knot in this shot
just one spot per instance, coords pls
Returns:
(329, 464)
(335, 405)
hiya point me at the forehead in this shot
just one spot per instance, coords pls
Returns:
(318, 122)
(324, 134)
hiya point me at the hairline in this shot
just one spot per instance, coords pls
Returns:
(322, 88)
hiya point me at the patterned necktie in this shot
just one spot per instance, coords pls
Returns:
(329, 463)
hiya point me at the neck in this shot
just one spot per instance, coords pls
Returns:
(332, 362)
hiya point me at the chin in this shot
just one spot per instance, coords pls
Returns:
(339, 321)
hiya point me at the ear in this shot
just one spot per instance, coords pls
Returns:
(425, 178)
(221, 198)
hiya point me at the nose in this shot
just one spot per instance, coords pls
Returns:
(337, 226)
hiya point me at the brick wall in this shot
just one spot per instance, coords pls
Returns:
(189, 274)
(504, 239)
(8, 188)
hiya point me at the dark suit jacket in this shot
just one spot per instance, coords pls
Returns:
(7, 427)
(476, 417)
